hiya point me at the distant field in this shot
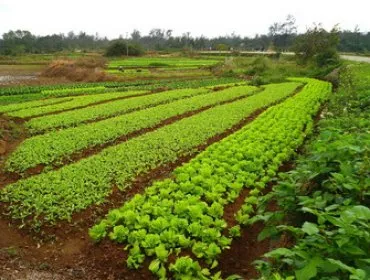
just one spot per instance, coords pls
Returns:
(161, 67)
(162, 62)
(160, 72)
(41, 59)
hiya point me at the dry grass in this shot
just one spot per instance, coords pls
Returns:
(80, 70)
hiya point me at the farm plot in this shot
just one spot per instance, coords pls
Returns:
(84, 160)
(56, 195)
(106, 110)
(161, 62)
(161, 67)
(35, 108)
(47, 148)
(186, 212)
(161, 72)
(13, 95)
(32, 104)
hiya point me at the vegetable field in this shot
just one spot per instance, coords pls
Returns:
(210, 178)
(163, 67)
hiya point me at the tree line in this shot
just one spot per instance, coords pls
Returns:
(281, 37)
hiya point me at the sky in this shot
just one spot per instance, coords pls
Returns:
(113, 18)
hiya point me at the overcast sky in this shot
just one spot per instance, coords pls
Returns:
(200, 17)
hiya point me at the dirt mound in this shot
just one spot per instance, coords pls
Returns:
(81, 70)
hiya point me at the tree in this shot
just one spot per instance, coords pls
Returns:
(222, 47)
(135, 35)
(120, 47)
(283, 33)
(318, 45)
(169, 33)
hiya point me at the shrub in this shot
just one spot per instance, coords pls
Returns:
(318, 45)
(327, 57)
(258, 66)
(119, 48)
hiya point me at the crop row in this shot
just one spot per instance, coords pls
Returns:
(109, 109)
(114, 86)
(58, 194)
(204, 82)
(73, 91)
(48, 89)
(161, 62)
(332, 215)
(186, 212)
(164, 73)
(75, 102)
(47, 148)
(34, 103)
(55, 90)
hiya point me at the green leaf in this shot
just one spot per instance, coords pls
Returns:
(234, 277)
(280, 252)
(309, 270)
(98, 232)
(341, 265)
(154, 266)
(360, 212)
(267, 232)
(310, 228)
(161, 252)
(214, 264)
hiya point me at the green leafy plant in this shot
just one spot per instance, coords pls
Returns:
(324, 201)
(200, 189)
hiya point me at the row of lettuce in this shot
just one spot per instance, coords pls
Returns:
(184, 214)
(56, 145)
(50, 89)
(324, 202)
(53, 105)
(58, 194)
(107, 110)
(11, 95)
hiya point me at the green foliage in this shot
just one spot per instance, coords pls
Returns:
(222, 47)
(318, 45)
(44, 196)
(110, 109)
(186, 268)
(235, 231)
(200, 189)
(258, 66)
(35, 108)
(283, 33)
(56, 145)
(121, 47)
(98, 232)
(12, 95)
(158, 64)
(326, 198)
(177, 62)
